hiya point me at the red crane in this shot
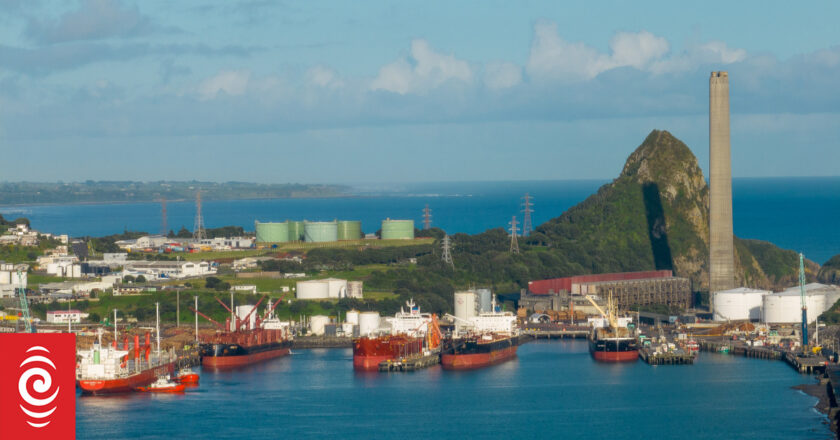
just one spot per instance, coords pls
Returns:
(207, 318)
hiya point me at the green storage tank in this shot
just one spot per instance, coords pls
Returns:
(349, 230)
(397, 229)
(319, 232)
(272, 232)
(295, 230)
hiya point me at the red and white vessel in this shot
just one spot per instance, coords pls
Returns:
(163, 385)
(107, 370)
(187, 376)
(612, 338)
(480, 341)
(412, 334)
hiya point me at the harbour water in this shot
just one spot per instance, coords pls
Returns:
(552, 390)
(794, 213)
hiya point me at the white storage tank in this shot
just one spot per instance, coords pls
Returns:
(347, 328)
(485, 300)
(739, 304)
(337, 287)
(354, 289)
(368, 323)
(464, 305)
(242, 312)
(313, 289)
(786, 306)
(76, 271)
(317, 324)
(352, 317)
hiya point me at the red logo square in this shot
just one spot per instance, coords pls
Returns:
(38, 385)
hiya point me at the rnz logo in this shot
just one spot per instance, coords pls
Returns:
(36, 375)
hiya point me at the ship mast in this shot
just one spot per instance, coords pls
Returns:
(157, 328)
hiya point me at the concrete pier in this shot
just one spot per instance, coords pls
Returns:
(669, 358)
(410, 364)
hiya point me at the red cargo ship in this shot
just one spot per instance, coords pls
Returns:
(479, 351)
(251, 341)
(412, 334)
(611, 339)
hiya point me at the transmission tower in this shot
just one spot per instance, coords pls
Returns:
(198, 230)
(514, 245)
(164, 228)
(527, 209)
(427, 217)
(447, 251)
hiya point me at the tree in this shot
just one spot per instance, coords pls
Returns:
(128, 279)
(140, 279)
(211, 282)
(94, 317)
(184, 233)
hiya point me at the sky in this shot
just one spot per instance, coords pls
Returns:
(382, 91)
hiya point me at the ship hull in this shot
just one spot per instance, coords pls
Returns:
(125, 384)
(622, 350)
(472, 354)
(217, 356)
(368, 353)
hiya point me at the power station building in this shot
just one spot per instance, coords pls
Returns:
(721, 247)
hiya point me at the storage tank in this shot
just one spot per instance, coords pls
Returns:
(272, 232)
(313, 289)
(739, 304)
(295, 230)
(347, 328)
(485, 300)
(319, 232)
(464, 305)
(352, 317)
(786, 306)
(368, 323)
(349, 230)
(354, 289)
(77, 271)
(317, 324)
(397, 229)
(243, 311)
(337, 287)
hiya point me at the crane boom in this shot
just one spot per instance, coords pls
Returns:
(208, 318)
(24, 304)
(609, 314)
(804, 300)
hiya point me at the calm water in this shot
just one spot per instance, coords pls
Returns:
(553, 390)
(794, 213)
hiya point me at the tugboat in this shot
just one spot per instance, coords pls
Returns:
(488, 339)
(104, 370)
(163, 385)
(409, 331)
(611, 339)
(245, 341)
(187, 376)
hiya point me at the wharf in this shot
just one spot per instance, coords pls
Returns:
(741, 349)
(554, 332)
(806, 364)
(410, 364)
(303, 342)
(667, 358)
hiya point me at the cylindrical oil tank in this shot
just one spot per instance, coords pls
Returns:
(368, 323)
(319, 232)
(781, 308)
(397, 229)
(352, 317)
(347, 328)
(295, 230)
(354, 289)
(485, 300)
(738, 304)
(313, 289)
(464, 305)
(317, 324)
(349, 229)
(272, 232)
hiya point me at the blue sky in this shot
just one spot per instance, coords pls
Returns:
(349, 92)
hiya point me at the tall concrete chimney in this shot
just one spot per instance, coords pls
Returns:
(721, 252)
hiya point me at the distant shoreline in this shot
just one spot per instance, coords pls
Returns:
(131, 202)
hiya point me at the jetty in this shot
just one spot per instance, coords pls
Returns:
(412, 363)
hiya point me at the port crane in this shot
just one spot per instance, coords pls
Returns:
(24, 304)
(609, 314)
(804, 301)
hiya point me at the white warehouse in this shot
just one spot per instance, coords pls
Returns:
(321, 289)
(739, 304)
(786, 306)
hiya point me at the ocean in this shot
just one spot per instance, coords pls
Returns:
(794, 213)
(552, 390)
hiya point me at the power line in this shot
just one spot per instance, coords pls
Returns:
(527, 209)
(427, 217)
(514, 244)
(198, 230)
(447, 251)
(164, 228)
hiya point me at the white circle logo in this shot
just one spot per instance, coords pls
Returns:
(39, 380)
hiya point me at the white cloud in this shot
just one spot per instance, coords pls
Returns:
(553, 58)
(324, 77)
(502, 75)
(230, 82)
(425, 70)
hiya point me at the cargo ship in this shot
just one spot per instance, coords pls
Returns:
(245, 340)
(412, 334)
(611, 338)
(108, 370)
(480, 341)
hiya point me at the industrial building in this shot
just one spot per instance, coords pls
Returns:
(739, 304)
(721, 246)
(168, 269)
(65, 316)
(786, 306)
(9, 280)
(628, 289)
